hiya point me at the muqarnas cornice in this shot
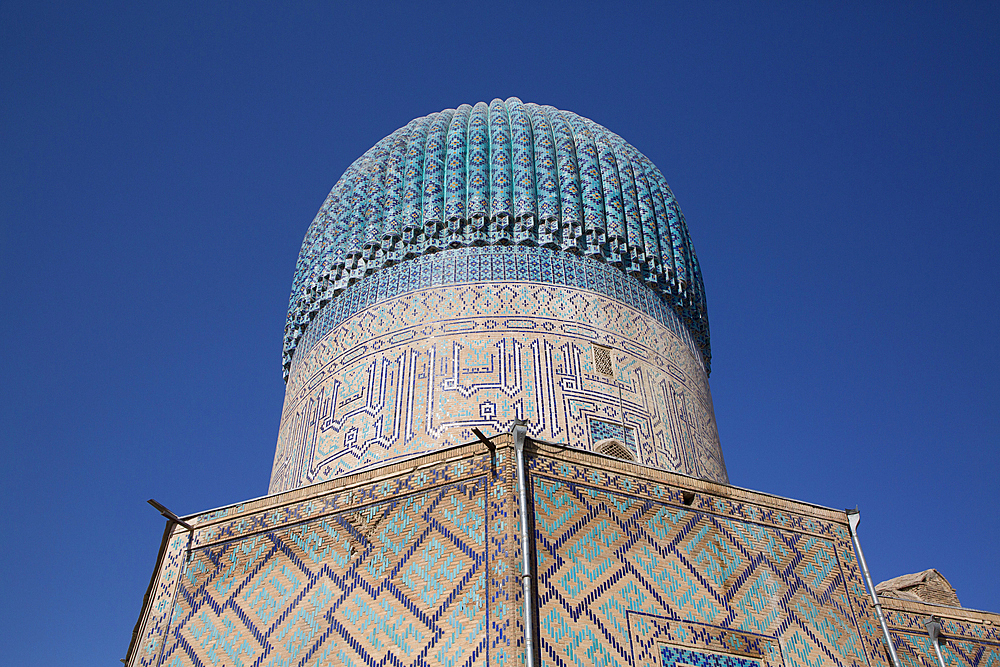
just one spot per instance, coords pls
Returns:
(502, 173)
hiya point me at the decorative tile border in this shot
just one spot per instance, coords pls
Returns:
(651, 634)
(462, 266)
(417, 372)
(972, 637)
(663, 492)
(316, 507)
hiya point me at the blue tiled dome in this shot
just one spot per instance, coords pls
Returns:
(494, 174)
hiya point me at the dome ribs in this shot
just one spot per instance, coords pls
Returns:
(369, 169)
(433, 181)
(591, 189)
(478, 173)
(501, 173)
(614, 206)
(546, 176)
(339, 232)
(665, 251)
(630, 201)
(677, 242)
(412, 190)
(392, 219)
(304, 263)
(372, 219)
(659, 252)
(700, 329)
(501, 204)
(570, 213)
(651, 237)
(455, 177)
(689, 292)
(523, 173)
(647, 218)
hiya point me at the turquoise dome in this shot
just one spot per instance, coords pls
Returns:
(497, 174)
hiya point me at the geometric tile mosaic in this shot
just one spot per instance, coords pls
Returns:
(916, 650)
(417, 563)
(683, 641)
(602, 430)
(674, 656)
(611, 547)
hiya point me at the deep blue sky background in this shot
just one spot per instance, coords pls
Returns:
(838, 165)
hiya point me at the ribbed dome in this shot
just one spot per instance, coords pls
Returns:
(502, 173)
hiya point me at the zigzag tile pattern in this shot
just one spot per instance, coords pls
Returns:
(503, 173)
(968, 643)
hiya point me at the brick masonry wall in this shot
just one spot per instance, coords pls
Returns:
(971, 636)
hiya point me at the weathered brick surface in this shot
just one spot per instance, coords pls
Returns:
(971, 637)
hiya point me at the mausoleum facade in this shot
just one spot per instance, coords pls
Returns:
(498, 445)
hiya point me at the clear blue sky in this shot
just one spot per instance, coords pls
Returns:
(838, 165)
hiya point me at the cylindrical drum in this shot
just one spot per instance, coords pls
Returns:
(413, 357)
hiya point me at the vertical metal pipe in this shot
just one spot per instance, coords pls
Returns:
(933, 626)
(853, 519)
(937, 649)
(520, 431)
